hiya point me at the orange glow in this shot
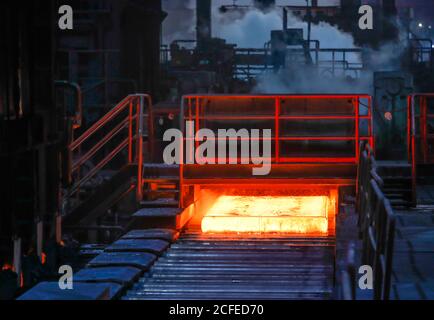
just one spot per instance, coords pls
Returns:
(288, 214)
(43, 258)
(7, 266)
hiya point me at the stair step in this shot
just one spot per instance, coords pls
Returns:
(161, 179)
(161, 191)
(399, 195)
(393, 164)
(394, 168)
(396, 178)
(159, 203)
(160, 170)
(396, 190)
(397, 184)
(159, 217)
(157, 212)
(400, 202)
(160, 166)
(393, 196)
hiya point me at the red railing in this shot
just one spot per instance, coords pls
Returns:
(123, 128)
(351, 115)
(420, 140)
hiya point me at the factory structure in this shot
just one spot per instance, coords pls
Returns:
(340, 118)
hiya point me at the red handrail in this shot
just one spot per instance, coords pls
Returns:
(192, 110)
(99, 124)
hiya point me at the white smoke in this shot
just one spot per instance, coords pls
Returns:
(388, 56)
(252, 29)
(301, 80)
(180, 23)
(246, 29)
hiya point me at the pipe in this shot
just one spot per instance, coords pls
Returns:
(39, 238)
(78, 114)
(309, 21)
(17, 259)
(203, 22)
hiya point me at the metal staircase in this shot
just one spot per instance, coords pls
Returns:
(397, 179)
(160, 204)
(117, 143)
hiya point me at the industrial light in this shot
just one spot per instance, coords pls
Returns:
(388, 116)
(420, 25)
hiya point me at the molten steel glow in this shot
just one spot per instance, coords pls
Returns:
(297, 214)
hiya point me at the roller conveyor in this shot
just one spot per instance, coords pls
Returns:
(202, 266)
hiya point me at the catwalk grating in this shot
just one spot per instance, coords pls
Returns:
(228, 266)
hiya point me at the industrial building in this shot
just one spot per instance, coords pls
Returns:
(341, 120)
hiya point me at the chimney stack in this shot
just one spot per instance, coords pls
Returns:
(203, 21)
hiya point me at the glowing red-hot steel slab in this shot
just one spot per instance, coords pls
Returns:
(289, 214)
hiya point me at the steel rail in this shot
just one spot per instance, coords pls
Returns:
(100, 144)
(100, 165)
(134, 126)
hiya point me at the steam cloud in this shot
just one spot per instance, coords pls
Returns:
(180, 22)
(251, 29)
